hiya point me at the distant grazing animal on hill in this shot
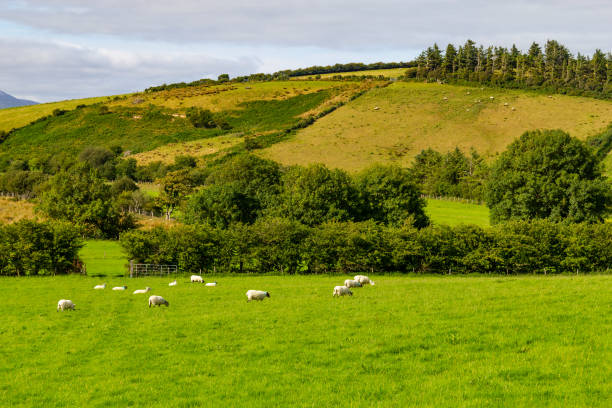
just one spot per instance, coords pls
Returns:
(197, 278)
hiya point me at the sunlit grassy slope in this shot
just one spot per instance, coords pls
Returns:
(226, 96)
(12, 210)
(406, 342)
(395, 123)
(17, 117)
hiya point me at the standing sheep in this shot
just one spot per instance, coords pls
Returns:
(65, 304)
(364, 280)
(350, 283)
(145, 290)
(158, 301)
(103, 286)
(342, 291)
(256, 295)
(120, 288)
(196, 278)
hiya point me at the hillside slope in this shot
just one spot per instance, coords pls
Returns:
(143, 122)
(17, 117)
(395, 123)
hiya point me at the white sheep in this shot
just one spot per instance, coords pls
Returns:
(65, 304)
(157, 301)
(120, 288)
(173, 283)
(350, 283)
(197, 278)
(342, 291)
(145, 290)
(256, 295)
(211, 284)
(364, 280)
(103, 286)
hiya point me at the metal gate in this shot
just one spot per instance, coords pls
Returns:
(137, 270)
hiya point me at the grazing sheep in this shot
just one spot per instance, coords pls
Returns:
(120, 288)
(197, 278)
(211, 284)
(173, 283)
(145, 290)
(350, 283)
(342, 291)
(256, 295)
(65, 304)
(103, 286)
(364, 280)
(158, 301)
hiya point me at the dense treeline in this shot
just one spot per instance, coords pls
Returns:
(552, 68)
(283, 246)
(286, 74)
(543, 174)
(47, 248)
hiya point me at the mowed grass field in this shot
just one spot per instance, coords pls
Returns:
(408, 341)
(395, 123)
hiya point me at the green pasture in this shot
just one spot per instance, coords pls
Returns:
(408, 341)
(447, 212)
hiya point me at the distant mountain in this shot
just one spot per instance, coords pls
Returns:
(8, 101)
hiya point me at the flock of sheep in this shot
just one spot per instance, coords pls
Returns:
(154, 300)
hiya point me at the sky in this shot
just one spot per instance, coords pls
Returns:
(64, 49)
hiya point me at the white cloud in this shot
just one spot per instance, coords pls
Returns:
(335, 24)
(52, 49)
(50, 71)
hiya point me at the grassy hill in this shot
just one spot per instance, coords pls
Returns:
(395, 123)
(11, 118)
(386, 124)
(144, 122)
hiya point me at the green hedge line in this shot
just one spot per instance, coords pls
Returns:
(278, 245)
(32, 248)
